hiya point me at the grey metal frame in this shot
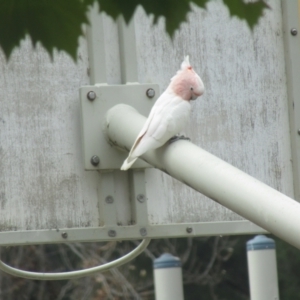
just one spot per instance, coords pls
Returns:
(291, 31)
(133, 232)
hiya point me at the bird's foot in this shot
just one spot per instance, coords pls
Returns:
(176, 138)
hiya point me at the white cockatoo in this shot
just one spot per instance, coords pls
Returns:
(169, 114)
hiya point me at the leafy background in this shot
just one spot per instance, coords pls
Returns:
(58, 23)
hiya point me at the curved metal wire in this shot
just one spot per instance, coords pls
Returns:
(76, 274)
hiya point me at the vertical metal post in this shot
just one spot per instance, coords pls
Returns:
(129, 74)
(128, 58)
(168, 278)
(96, 47)
(97, 67)
(139, 198)
(128, 53)
(262, 268)
(291, 30)
(107, 199)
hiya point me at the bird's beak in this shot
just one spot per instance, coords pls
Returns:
(194, 97)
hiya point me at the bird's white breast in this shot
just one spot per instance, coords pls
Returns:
(173, 114)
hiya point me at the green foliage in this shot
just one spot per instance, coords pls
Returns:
(55, 23)
(174, 12)
(251, 11)
(58, 23)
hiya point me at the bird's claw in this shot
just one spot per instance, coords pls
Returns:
(176, 138)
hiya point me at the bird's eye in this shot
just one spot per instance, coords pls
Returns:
(192, 88)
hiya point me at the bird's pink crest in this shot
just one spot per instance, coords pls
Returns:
(186, 83)
(186, 63)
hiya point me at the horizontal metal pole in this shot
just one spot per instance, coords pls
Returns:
(132, 232)
(212, 177)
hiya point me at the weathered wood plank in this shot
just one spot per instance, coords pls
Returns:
(242, 118)
(42, 182)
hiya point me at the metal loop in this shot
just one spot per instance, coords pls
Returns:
(76, 274)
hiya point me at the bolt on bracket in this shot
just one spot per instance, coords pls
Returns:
(95, 102)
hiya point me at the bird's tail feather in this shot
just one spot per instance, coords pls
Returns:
(127, 164)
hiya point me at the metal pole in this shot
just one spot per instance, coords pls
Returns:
(262, 268)
(211, 176)
(128, 56)
(96, 47)
(291, 38)
(168, 278)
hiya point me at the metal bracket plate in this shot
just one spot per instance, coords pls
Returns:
(93, 109)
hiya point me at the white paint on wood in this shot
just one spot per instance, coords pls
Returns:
(42, 182)
(242, 118)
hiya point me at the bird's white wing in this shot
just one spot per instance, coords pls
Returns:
(166, 118)
(155, 127)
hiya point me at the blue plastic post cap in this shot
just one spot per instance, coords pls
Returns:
(165, 261)
(260, 242)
